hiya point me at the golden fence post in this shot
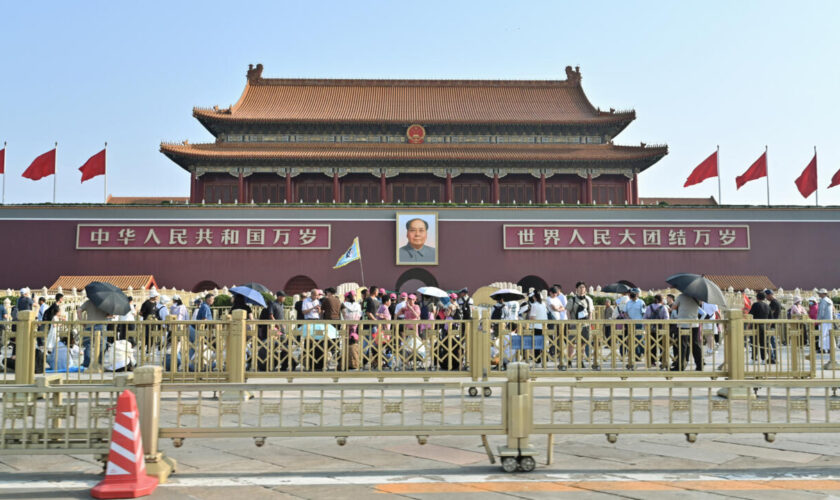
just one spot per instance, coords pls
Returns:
(25, 348)
(518, 452)
(832, 349)
(147, 389)
(735, 354)
(474, 350)
(235, 354)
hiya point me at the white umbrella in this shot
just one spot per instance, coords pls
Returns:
(432, 291)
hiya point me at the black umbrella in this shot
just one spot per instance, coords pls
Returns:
(508, 294)
(107, 298)
(628, 283)
(616, 288)
(698, 287)
(258, 287)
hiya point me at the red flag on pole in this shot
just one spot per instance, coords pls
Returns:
(3, 161)
(94, 166)
(704, 171)
(807, 181)
(835, 180)
(43, 166)
(756, 171)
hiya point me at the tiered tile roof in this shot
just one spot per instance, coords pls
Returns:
(185, 154)
(413, 101)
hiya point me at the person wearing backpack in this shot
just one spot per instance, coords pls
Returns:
(656, 310)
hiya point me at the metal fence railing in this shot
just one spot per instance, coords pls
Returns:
(236, 349)
(78, 418)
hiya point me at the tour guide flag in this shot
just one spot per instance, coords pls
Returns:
(94, 166)
(352, 253)
(756, 171)
(3, 161)
(43, 166)
(807, 181)
(703, 171)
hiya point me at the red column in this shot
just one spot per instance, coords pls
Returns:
(496, 195)
(448, 188)
(289, 188)
(193, 188)
(383, 188)
(588, 194)
(628, 192)
(635, 189)
(336, 188)
(242, 198)
(541, 198)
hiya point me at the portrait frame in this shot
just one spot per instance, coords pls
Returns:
(432, 238)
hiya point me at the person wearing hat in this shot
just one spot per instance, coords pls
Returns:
(797, 309)
(178, 310)
(465, 302)
(24, 302)
(147, 308)
(825, 311)
(393, 307)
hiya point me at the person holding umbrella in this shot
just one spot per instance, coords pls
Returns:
(688, 308)
(104, 301)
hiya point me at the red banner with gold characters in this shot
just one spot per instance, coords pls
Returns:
(203, 237)
(626, 237)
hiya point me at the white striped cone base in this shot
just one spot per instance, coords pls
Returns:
(125, 475)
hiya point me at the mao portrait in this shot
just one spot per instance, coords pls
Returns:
(417, 239)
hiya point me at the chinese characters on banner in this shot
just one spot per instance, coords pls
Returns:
(202, 236)
(626, 237)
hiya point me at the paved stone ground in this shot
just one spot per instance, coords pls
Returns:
(742, 466)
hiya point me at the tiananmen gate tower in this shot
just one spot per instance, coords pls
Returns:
(448, 183)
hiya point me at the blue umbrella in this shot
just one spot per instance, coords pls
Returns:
(251, 295)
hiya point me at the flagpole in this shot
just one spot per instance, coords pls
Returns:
(767, 177)
(361, 266)
(717, 166)
(5, 154)
(816, 191)
(105, 177)
(55, 171)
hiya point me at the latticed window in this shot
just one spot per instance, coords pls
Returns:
(519, 192)
(226, 193)
(562, 192)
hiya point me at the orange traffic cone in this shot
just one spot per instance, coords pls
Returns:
(125, 476)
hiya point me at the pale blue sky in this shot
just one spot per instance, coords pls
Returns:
(740, 74)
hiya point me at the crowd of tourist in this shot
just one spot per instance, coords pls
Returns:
(690, 341)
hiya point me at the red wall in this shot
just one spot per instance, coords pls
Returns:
(793, 253)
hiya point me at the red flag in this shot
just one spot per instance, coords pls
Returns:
(807, 181)
(756, 171)
(43, 166)
(835, 180)
(3, 161)
(747, 304)
(703, 171)
(94, 166)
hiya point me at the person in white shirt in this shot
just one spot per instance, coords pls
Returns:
(709, 330)
(311, 306)
(537, 311)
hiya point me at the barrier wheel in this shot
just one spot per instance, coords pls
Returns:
(473, 392)
(488, 392)
(509, 464)
(527, 464)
